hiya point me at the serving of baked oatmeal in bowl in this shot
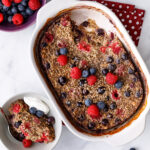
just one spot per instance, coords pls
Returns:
(91, 70)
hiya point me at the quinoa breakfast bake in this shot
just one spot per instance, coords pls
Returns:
(92, 76)
(30, 125)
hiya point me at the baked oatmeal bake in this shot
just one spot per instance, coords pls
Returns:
(92, 76)
(30, 125)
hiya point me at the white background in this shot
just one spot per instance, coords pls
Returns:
(17, 75)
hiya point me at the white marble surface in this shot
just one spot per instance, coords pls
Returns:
(17, 75)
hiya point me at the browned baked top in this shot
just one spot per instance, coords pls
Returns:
(91, 74)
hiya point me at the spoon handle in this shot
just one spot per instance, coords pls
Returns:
(3, 114)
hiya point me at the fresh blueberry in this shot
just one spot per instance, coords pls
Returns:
(68, 103)
(9, 12)
(62, 80)
(138, 94)
(25, 16)
(85, 92)
(119, 84)
(101, 105)
(51, 120)
(81, 117)
(112, 67)
(21, 136)
(39, 113)
(10, 19)
(82, 82)
(105, 122)
(100, 32)
(131, 71)
(85, 23)
(21, 7)
(29, 11)
(92, 71)
(91, 125)
(105, 71)
(118, 61)
(113, 106)
(117, 121)
(101, 90)
(109, 116)
(79, 104)
(63, 51)
(135, 79)
(85, 73)
(124, 56)
(132, 148)
(17, 124)
(14, 10)
(5, 8)
(13, 4)
(127, 93)
(57, 53)
(33, 110)
(88, 102)
(24, 3)
(47, 65)
(110, 59)
(63, 95)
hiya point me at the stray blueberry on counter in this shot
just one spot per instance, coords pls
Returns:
(92, 71)
(110, 59)
(88, 102)
(101, 90)
(91, 125)
(105, 71)
(39, 113)
(62, 80)
(63, 51)
(132, 148)
(101, 105)
(85, 73)
(127, 93)
(33, 110)
(124, 56)
(119, 84)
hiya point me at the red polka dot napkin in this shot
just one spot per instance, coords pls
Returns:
(130, 16)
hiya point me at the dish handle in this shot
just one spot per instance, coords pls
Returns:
(50, 8)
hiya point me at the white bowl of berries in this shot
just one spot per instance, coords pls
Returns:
(38, 127)
(18, 14)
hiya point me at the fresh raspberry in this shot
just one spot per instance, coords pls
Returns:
(84, 63)
(34, 4)
(91, 79)
(27, 125)
(7, 3)
(17, 19)
(75, 73)
(103, 49)
(111, 78)
(49, 37)
(115, 48)
(17, 1)
(84, 46)
(115, 95)
(93, 111)
(26, 143)
(16, 108)
(62, 59)
(1, 17)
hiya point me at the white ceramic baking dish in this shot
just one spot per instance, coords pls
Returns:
(111, 24)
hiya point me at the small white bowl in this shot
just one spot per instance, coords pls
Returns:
(11, 143)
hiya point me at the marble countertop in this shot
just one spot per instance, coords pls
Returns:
(17, 75)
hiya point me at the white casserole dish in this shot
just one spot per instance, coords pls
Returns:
(80, 14)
